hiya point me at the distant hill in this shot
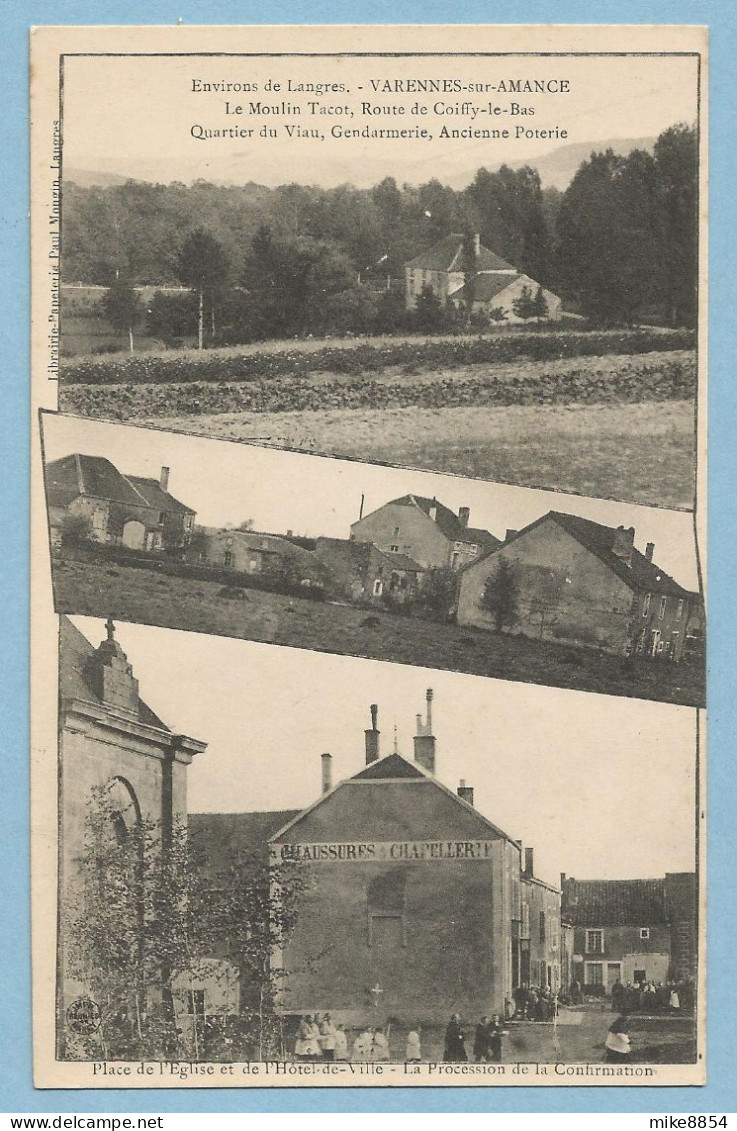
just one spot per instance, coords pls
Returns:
(86, 178)
(557, 169)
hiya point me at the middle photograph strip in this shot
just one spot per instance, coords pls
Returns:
(384, 563)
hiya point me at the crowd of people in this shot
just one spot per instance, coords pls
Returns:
(319, 1039)
(652, 997)
(534, 1003)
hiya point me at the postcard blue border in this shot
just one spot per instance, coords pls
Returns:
(16, 1090)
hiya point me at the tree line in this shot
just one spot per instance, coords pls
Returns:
(619, 245)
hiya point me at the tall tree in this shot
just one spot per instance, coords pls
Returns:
(500, 595)
(122, 307)
(676, 162)
(202, 265)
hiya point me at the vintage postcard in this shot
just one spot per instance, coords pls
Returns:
(368, 729)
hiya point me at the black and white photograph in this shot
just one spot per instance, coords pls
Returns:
(410, 567)
(351, 872)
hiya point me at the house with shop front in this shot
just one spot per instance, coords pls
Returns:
(121, 510)
(580, 582)
(632, 931)
(476, 277)
(425, 531)
(413, 906)
(359, 571)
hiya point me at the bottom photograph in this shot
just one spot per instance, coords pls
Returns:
(272, 855)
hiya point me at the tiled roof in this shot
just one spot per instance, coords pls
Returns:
(402, 561)
(156, 498)
(92, 476)
(641, 574)
(446, 255)
(393, 766)
(75, 656)
(484, 539)
(446, 520)
(487, 285)
(614, 903)
(225, 837)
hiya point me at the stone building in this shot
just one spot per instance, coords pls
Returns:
(359, 571)
(111, 740)
(475, 276)
(632, 931)
(426, 531)
(580, 582)
(121, 510)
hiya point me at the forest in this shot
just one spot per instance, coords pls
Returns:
(619, 245)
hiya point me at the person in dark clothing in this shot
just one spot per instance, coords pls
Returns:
(481, 1041)
(617, 1043)
(520, 1002)
(455, 1041)
(496, 1032)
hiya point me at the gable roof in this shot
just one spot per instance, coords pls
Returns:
(614, 903)
(75, 678)
(96, 477)
(92, 476)
(156, 498)
(487, 285)
(641, 574)
(446, 521)
(446, 255)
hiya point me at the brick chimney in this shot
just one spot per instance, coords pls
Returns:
(372, 737)
(465, 792)
(164, 479)
(649, 551)
(327, 772)
(464, 515)
(425, 739)
(623, 544)
(433, 511)
(529, 861)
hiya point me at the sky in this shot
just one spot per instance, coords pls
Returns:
(134, 116)
(227, 483)
(600, 787)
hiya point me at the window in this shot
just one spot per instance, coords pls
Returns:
(644, 932)
(646, 604)
(679, 610)
(387, 927)
(525, 920)
(228, 559)
(396, 531)
(594, 975)
(378, 588)
(394, 549)
(595, 942)
(162, 516)
(640, 646)
(663, 603)
(542, 927)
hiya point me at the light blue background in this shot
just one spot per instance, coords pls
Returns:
(16, 1090)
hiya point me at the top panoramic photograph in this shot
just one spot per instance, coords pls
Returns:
(484, 265)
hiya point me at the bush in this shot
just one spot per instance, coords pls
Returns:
(446, 353)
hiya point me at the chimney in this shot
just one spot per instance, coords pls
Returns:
(425, 739)
(476, 245)
(624, 540)
(327, 772)
(372, 737)
(164, 479)
(433, 511)
(562, 880)
(510, 534)
(529, 862)
(465, 792)
(649, 551)
(464, 514)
